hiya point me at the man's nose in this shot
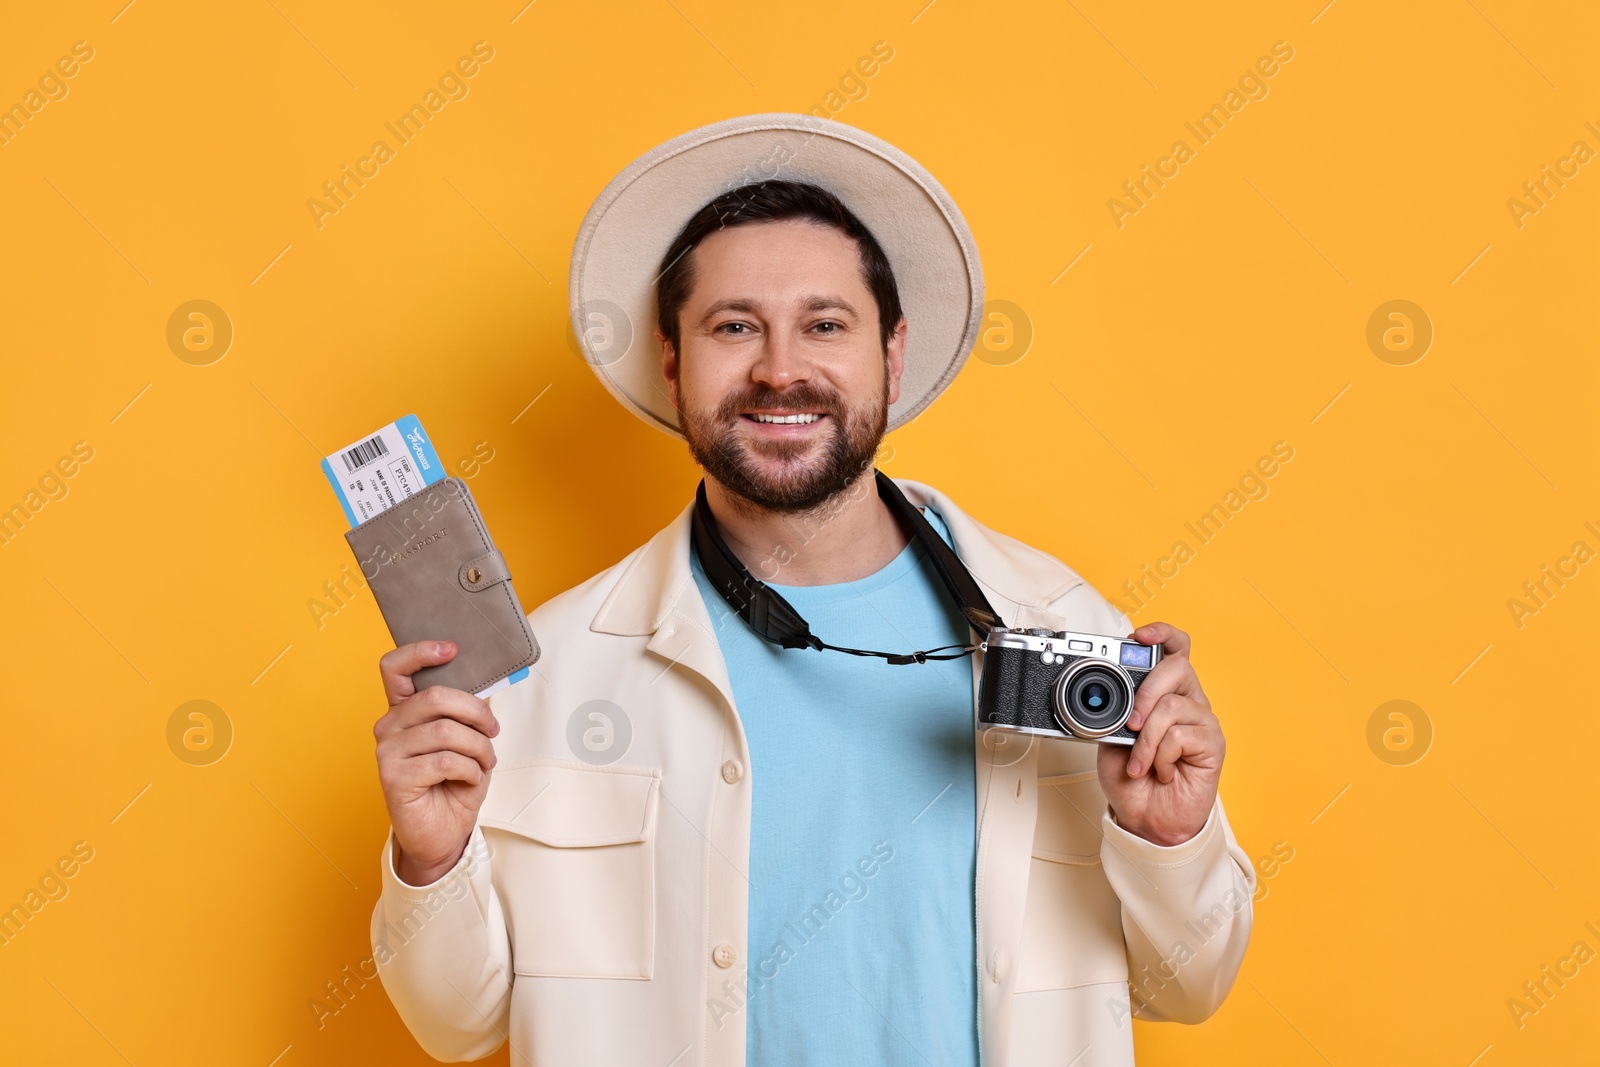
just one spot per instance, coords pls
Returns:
(780, 362)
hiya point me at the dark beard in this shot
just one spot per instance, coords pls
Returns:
(850, 449)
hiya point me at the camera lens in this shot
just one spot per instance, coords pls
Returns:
(1092, 698)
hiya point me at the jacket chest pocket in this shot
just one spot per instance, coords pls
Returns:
(573, 863)
(1073, 921)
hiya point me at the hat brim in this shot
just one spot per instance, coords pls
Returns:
(618, 251)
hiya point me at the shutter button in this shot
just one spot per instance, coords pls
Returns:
(724, 955)
(732, 771)
(474, 575)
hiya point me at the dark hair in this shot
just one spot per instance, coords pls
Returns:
(771, 201)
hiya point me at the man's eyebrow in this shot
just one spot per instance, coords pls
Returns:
(753, 307)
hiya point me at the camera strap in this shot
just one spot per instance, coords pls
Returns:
(775, 619)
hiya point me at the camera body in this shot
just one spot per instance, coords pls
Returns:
(1060, 683)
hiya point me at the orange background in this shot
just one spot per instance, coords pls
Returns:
(1230, 312)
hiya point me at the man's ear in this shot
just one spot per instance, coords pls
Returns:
(895, 355)
(669, 366)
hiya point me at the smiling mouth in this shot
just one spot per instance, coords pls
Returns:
(796, 419)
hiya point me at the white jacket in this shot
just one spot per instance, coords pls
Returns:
(599, 913)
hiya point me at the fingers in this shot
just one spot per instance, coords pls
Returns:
(1173, 641)
(438, 735)
(1174, 743)
(399, 664)
(1174, 674)
(438, 702)
(420, 772)
(1193, 723)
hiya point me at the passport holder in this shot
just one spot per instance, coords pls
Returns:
(436, 575)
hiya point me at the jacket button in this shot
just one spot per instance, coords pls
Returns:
(724, 956)
(732, 771)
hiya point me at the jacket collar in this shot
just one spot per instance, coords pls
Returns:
(657, 589)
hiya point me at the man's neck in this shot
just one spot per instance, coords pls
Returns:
(849, 536)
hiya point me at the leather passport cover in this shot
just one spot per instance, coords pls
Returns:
(437, 576)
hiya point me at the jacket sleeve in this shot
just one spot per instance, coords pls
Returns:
(1187, 908)
(444, 955)
(1186, 916)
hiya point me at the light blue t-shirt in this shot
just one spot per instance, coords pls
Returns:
(862, 839)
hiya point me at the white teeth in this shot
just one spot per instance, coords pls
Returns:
(810, 417)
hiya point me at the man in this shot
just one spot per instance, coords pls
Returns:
(681, 842)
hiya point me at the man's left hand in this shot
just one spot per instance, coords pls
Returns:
(1163, 787)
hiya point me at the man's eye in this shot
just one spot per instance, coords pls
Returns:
(730, 325)
(835, 326)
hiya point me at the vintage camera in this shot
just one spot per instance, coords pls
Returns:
(1062, 684)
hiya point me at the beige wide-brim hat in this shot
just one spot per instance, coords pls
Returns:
(617, 255)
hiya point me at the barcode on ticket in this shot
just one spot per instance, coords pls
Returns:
(362, 454)
(382, 469)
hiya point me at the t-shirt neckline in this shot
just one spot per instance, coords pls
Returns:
(905, 562)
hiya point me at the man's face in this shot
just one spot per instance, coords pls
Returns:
(782, 385)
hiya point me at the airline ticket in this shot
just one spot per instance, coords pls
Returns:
(379, 471)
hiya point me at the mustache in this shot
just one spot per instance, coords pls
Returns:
(805, 395)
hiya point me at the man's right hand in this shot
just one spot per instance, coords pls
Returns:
(434, 759)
